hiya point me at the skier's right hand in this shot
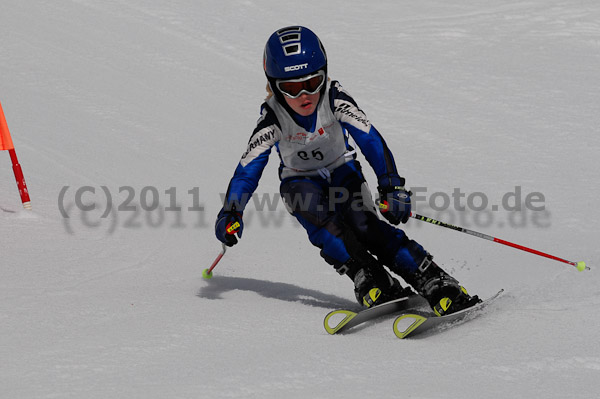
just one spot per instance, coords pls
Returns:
(228, 224)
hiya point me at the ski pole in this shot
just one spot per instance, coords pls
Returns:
(581, 266)
(207, 273)
(231, 229)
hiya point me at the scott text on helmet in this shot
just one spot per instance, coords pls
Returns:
(295, 67)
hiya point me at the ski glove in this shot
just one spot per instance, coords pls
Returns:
(394, 203)
(228, 224)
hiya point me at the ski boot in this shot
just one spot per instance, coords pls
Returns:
(443, 292)
(374, 286)
(461, 301)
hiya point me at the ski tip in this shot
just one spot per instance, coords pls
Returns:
(407, 323)
(345, 315)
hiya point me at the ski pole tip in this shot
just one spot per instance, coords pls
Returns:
(206, 274)
(581, 266)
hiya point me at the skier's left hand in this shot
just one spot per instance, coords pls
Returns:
(394, 204)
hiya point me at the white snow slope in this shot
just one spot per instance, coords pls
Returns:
(153, 103)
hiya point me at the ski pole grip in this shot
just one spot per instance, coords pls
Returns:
(232, 228)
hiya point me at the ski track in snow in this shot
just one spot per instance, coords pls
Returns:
(140, 94)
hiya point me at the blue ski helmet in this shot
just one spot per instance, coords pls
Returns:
(293, 52)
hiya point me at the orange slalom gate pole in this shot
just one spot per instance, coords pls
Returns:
(7, 144)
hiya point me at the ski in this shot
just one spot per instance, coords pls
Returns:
(417, 322)
(351, 319)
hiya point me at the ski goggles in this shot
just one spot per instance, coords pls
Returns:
(310, 84)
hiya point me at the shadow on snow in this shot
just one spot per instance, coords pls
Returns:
(274, 290)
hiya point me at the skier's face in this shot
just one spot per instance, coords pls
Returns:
(305, 104)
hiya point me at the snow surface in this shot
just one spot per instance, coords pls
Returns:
(135, 95)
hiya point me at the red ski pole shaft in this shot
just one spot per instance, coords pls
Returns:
(207, 273)
(217, 260)
(579, 265)
(21, 185)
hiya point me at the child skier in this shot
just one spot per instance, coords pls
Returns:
(308, 118)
